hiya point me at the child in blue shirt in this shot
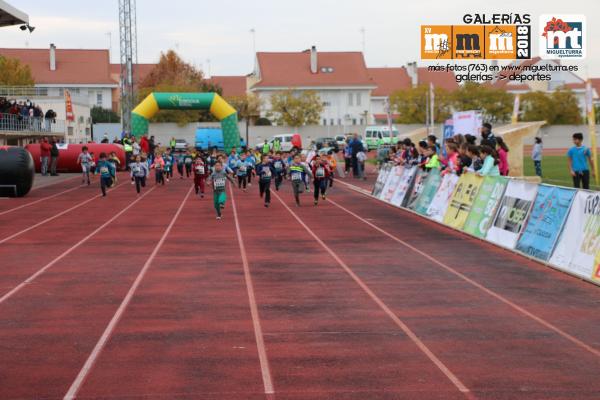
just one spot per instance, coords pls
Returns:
(579, 156)
(265, 172)
(168, 158)
(241, 171)
(279, 166)
(107, 173)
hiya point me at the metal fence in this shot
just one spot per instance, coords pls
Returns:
(18, 123)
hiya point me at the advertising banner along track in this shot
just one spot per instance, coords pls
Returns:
(381, 179)
(441, 200)
(512, 214)
(485, 205)
(430, 187)
(549, 213)
(417, 189)
(393, 180)
(404, 186)
(462, 200)
(579, 242)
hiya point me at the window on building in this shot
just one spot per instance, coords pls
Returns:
(326, 104)
(339, 121)
(358, 98)
(353, 121)
(361, 121)
(350, 99)
(331, 121)
(324, 121)
(99, 99)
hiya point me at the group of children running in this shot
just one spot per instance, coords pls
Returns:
(217, 168)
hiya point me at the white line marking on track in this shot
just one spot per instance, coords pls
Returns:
(89, 363)
(54, 183)
(68, 251)
(475, 284)
(258, 333)
(14, 235)
(39, 200)
(438, 363)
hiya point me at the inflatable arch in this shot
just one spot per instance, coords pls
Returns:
(188, 101)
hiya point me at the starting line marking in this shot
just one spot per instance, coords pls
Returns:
(422, 346)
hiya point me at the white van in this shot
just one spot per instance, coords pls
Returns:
(288, 141)
(374, 135)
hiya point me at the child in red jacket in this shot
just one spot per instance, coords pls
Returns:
(201, 172)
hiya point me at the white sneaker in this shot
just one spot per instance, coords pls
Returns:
(218, 217)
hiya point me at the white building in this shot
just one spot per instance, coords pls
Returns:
(340, 79)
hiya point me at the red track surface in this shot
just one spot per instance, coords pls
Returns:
(352, 299)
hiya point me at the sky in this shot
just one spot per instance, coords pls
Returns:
(220, 31)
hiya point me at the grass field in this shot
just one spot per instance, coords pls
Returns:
(554, 171)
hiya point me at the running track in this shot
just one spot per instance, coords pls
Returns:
(130, 297)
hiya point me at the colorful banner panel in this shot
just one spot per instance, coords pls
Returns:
(485, 205)
(404, 186)
(462, 200)
(513, 212)
(579, 242)
(393, 180)
(549, 213)
(417, 189)
(428, 193)
(381, 179)
(440, 201)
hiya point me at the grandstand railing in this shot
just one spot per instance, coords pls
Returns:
(18, 123)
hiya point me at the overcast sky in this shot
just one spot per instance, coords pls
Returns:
(220, 30)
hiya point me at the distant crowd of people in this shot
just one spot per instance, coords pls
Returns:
(24, 115)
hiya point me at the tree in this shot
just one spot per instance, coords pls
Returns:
(556, 108)
(496, 105)
(13, 73)
(247, 106)
(102, 115)
(411, 105)
(296, 109)
(172, 74)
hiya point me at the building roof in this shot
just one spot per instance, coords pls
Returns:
(293, 69)
(73, 66)
(390, 80)
(596, 86)
(140, 71)
(232, 85)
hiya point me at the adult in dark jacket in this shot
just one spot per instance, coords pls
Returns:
(54, 153)
(357, 146)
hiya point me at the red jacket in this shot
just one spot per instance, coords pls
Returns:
(144, 144)
(45, 148)
(326, 170)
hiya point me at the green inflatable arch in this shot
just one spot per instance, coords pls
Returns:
(188, 101)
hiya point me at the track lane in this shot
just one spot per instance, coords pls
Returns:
(187, 332)
(496, 351)
(48, 329)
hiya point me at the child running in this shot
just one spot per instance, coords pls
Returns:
(188, 160)
(321, 172)
(85, 159)
(159, 167)
(107, 173)
(241, 170)
(279, 166)
(201, 172)
(114, 160)
(305, 163)
(298, 172)
(139, 172)
(168, 165)
(331, 160)
(179, 160)
(219, 179)
(265, 172)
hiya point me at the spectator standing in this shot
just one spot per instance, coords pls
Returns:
(502, 150)
(54, 153)
(487, 137)
(356, 147)
(45, 155)
(579, 157)
(536, 156)
(128, 147)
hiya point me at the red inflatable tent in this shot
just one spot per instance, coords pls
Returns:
(68, 153)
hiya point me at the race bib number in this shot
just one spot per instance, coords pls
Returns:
(278, 165)
(243, 168)
(104, 170)
(200, 169)
(219, 183)
(266, 173)
(137, 170)
(188, 160)
(320, 173)
(296, 176)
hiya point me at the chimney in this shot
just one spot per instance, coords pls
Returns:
(413, 73)
(52, 57)
(313, 59)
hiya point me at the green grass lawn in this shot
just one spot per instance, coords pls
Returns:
(554, 171)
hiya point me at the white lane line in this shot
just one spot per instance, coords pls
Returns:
(14, 235)
(69, 251)
(415, 339)
(89, 363)
(38, 201)
(476, 284)
(258, 333)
